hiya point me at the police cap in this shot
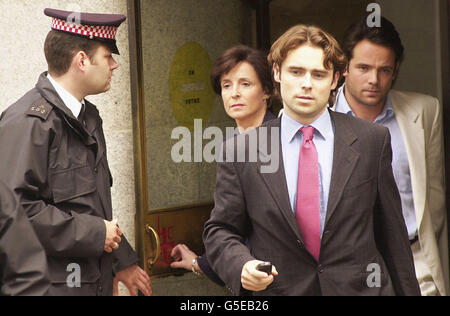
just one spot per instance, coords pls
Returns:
(94, 26)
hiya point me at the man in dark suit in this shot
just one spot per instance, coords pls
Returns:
(23, 265)
(329, 218)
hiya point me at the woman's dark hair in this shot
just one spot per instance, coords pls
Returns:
(233, 56)
(384, 35)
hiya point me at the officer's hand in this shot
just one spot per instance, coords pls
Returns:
(113, 234)
(134, 278)
(255, 280)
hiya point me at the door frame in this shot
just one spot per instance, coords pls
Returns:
(445, 53)
(138, 113)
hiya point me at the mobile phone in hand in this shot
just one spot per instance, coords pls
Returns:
(265, 267)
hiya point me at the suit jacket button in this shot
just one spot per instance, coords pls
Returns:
(300, 243)
(320, 268)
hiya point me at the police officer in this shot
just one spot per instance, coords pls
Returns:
(23, 266)
(54, 159)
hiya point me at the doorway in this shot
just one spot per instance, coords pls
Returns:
(173, 44)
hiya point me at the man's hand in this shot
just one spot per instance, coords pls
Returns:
(254, 280)
(113, 234)
(133, 277)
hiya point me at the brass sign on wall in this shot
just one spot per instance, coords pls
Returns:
(191, 94)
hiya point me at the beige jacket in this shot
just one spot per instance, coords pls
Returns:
(420, 119)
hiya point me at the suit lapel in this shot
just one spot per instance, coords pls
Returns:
(414, 138)
(276, 181)
(344, 161)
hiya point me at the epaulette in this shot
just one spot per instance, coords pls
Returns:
(40, 108)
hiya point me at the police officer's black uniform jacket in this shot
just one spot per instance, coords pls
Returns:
(23, 265)
(57, 168)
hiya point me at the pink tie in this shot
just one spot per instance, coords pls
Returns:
(308, 201)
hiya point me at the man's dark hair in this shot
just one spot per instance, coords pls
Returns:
(385, 35)
(233, 56)
(60, 48)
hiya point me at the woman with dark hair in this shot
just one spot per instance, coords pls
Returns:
(242, 76)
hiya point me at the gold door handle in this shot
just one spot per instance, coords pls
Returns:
(149, 229)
